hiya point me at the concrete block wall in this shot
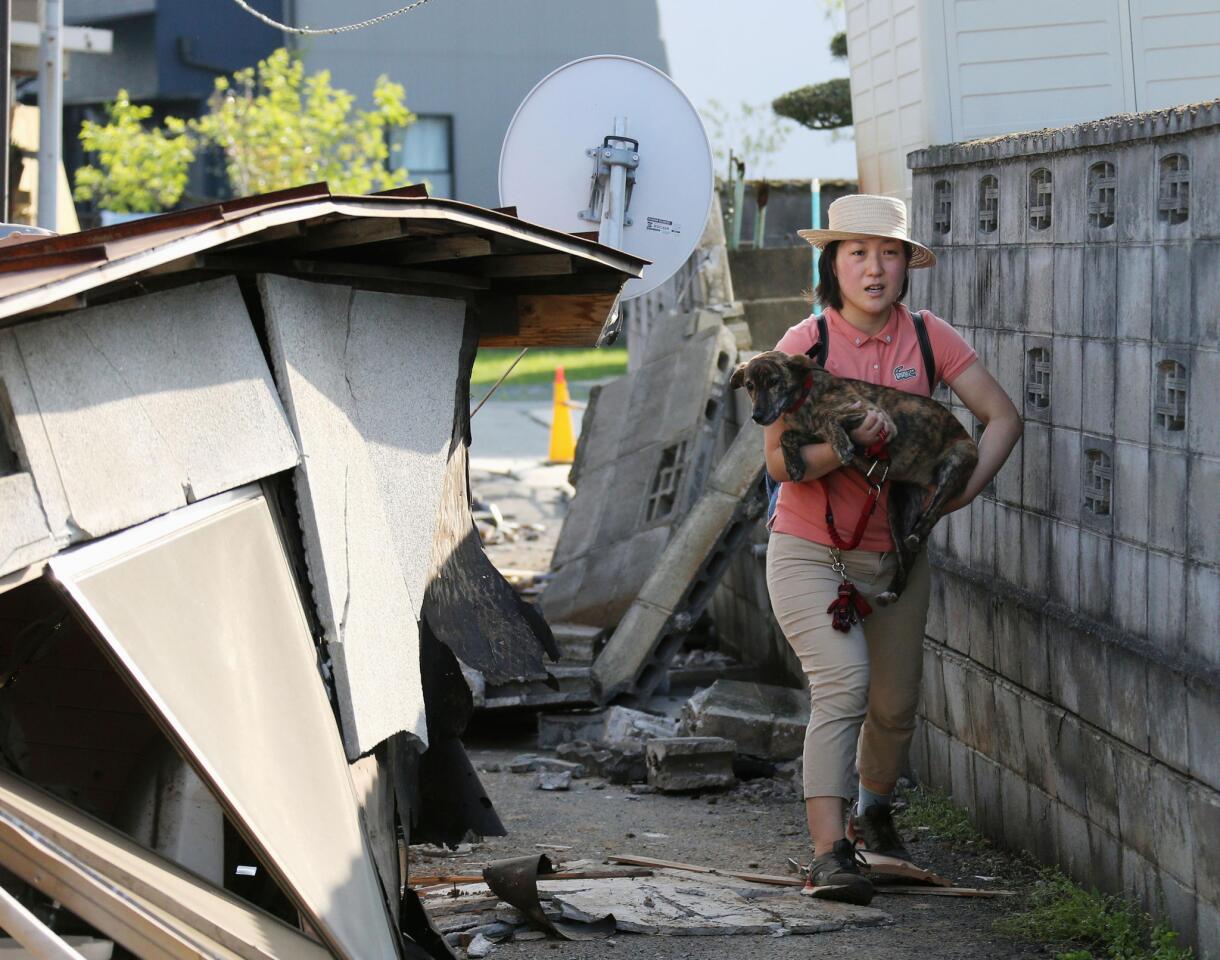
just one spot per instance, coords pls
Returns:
(1072, 663)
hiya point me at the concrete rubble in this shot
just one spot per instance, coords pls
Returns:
(687, 764)
(763, 720)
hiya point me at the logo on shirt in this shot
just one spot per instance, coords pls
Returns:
(904, 373)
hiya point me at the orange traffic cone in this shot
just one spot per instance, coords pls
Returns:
(563, 439)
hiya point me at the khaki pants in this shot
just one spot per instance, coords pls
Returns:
(863, 685)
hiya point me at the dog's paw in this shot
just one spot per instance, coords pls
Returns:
(885, 599)
(913, 541)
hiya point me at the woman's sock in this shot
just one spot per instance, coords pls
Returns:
(869, 799)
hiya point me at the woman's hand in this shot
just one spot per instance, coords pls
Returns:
(869, 431)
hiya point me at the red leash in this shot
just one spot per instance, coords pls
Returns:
(849, 606)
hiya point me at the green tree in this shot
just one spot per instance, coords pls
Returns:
(820, 106)
(139, 169)
(279, 128)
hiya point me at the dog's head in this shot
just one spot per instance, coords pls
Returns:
(775, 382)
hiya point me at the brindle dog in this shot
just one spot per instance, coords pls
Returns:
(928, 446)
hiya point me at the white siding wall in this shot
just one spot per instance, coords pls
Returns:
(938, 71)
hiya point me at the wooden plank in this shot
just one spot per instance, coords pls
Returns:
(454, 247)
(902, 869)
(942, 891)
(449, 879)
(555, 320)
(768, 878)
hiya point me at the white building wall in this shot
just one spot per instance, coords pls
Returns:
(939, 71)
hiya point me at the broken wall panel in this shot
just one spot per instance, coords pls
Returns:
(200, 611)
(368, 381)
(130, 410)
(139, 888)
(645, 452)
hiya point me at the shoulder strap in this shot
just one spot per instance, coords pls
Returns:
(925, 348)
(819, 350)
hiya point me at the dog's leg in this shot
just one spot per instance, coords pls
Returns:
(904, 502)
(837, 437)
(950, 479)
(790, 442)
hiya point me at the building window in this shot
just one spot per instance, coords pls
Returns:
(1170, 405)
(1038, 377)
(989, 204)
(1101, 185)
(667, 484)
(1098, 478)
(1040, 199)
(942, 206)
(425, 148)
(1173, 203)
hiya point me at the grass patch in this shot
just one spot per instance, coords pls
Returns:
(1079, 924)
(932, 813)
(538, 365)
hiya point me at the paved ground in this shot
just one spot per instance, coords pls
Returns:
(744, 829)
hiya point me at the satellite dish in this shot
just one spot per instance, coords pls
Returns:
(609, 143)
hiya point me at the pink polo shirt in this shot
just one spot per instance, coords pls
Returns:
(891, 358)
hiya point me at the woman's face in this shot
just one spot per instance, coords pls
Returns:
(870, 273)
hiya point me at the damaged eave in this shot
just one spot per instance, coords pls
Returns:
(526, 284)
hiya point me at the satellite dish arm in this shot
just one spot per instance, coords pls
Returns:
(614, 164)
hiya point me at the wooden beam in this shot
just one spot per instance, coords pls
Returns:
(337, 270)
(555, 320)
(350, 233)
(455, 247)
(527, 265)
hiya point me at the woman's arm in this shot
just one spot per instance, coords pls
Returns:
(820, 458)
(1002, 427)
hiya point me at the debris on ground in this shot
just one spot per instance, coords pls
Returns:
(688, 764)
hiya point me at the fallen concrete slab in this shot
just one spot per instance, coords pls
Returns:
(763, 720)
(683, 579)
(644, 455)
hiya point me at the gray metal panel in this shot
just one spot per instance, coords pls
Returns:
(149, 404)
(368, 381)
(475, 61)
(200, 610)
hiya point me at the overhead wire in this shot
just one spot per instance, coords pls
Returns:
(310, 31)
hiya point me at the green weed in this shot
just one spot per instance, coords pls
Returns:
(1087, 925)
(932, 813)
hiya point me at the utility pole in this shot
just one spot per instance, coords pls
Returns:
(50, 111)
(6, 92)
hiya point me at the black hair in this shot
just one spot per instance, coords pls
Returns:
(827, 292)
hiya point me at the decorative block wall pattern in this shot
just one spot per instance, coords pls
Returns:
(1072, 664)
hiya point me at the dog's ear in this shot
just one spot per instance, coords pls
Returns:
(799, 364)
(739, 376)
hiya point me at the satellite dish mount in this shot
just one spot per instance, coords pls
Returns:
(614, 165)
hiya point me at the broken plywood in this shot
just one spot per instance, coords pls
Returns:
(238, 691)
(368, 381)
(130, 410)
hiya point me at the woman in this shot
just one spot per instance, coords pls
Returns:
(864, 683)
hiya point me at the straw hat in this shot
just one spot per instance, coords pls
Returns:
(864, 215)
